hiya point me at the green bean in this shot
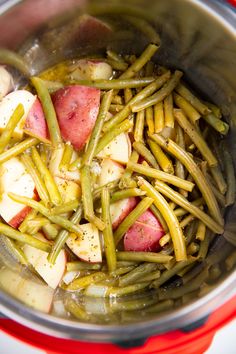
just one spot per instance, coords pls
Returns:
(230, 178)
(159, 121)
(66, 158)
(204, 246)
(126, 177)
(148, 31)
(63, 236)
(192, 99)
(59, 220)
(217, 124)
(159, 95)
(152, 276)
(192, 248)
(76, 310)
(164, 162)
(192, 209)
(175, 150)
(145, 153)
(143, 257)
(159, 216)
(65, 208)
(170, 218)
(95, 136)
(87, 198)
(23, 226)
(149, 68)
(116, 65)
(140, 62)
(219, 197)
(48, 179)
(131, 218)
(163, 176)
(121, 271)
(230, 261)
(17, 149)
(160, 306)
(114, 56)
(219, 179)
(24, 238)
(195, 137)
(127, 193)
(165, 294)
(166, 238)
(117, 100)
(49, 111)
(136, 275)
(139, 126)
(169, 273)
(16, 60)
(109, 244)
(168, 111)
(10, 126)
(130, 289)
(50, 231)
(214, 109)
(150, 119)
(83, 282)
(114, 108)
(201, 231)
(179, 167)
(36, 224)
(76, 266)
(53, 86)
(13, 249)
(75, 164)
(125, 112)
(111, 135)
(187, 108)
(116, 84)
(34, 173)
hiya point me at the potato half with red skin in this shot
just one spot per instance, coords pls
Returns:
(35, 123)
(77, 109)
(144, 234)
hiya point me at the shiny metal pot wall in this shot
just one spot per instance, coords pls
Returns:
(199, 37)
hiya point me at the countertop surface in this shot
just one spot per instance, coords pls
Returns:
(223, 343)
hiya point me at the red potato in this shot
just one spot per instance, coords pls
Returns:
(35, 123)
(144, 234)
(88, 69)
(52, 274)
(14, 178)
(119, 210)
(77, 109)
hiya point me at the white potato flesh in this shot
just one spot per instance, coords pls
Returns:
(9, 104)
(52, 274)
(6, 82)
(33, 294)
(92, 70)
(110, 171)
(69, 190)
(15, 179)
(118, 150)
(88, 246)
(55, 162)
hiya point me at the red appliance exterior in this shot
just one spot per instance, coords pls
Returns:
(176, 342)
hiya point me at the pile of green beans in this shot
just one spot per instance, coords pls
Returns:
(179, 167)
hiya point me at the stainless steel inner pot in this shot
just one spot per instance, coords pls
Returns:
(198, 37)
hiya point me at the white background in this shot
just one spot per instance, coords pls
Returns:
(224, 343)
